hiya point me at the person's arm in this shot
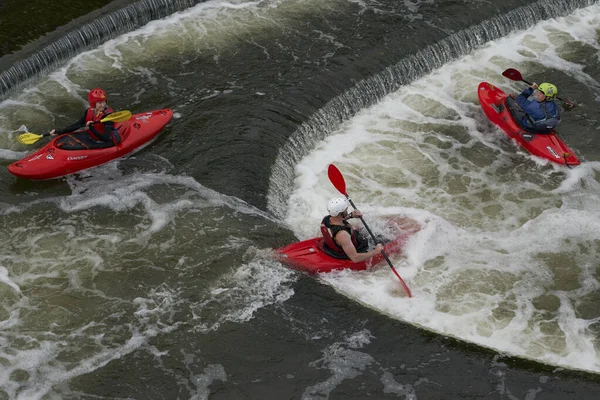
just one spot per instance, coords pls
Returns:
(110, 134)
(522, 98)
(108, 126)
(70, 128)
(343, 239)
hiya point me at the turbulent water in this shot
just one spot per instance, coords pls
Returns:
(153, 276)
(508, 256)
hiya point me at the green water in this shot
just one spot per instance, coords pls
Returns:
(23, 22)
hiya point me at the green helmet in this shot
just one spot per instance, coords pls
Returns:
(548, 89)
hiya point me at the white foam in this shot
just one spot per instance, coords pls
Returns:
(4, 278)
(248, 288)
(344, 361)
(506, 255)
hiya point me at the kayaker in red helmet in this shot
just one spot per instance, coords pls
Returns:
(102, 135)
(536, 109)
(341, 239)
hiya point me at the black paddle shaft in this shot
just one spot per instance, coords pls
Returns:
(370, 232)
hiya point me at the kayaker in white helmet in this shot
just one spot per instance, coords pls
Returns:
(339, 236)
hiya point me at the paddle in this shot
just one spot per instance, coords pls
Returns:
(337, 179)
(119, 116)
(515, 75)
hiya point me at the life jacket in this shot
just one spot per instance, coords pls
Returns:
(91, 115)
(546, 124)
(542, 117)
(329, 231)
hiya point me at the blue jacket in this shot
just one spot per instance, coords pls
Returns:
(541, 116)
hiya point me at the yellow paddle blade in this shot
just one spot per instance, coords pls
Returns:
(119, 116)
(29, 138)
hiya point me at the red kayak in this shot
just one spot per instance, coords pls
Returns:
(544, 145)
(54, 160)
(310, 255)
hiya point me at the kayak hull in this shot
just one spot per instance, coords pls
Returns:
(548, 146)
(53, 162)
(309, 256)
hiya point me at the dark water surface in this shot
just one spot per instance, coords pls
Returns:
(151, 278)
(25, 24)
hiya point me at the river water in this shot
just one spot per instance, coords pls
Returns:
(153, 277)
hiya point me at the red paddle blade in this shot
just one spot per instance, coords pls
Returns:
(569, 104)
(513, 74)
(337, 179)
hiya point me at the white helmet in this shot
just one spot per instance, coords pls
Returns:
(337, 206)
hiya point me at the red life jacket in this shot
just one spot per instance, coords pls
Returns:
(329, 231)
(91, 115)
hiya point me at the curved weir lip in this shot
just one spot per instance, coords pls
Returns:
(90, 35)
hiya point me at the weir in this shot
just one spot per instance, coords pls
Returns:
(91, 35)
(372, 90)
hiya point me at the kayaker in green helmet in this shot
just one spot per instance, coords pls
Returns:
(536, 108)
(341, 239)
(99, 135)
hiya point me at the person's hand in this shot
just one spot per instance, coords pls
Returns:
(52, 132)
(357, 214)
(512, 95)
(378, 248)
(534, 85)
(89, 123)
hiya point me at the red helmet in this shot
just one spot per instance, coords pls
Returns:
(96, 96)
